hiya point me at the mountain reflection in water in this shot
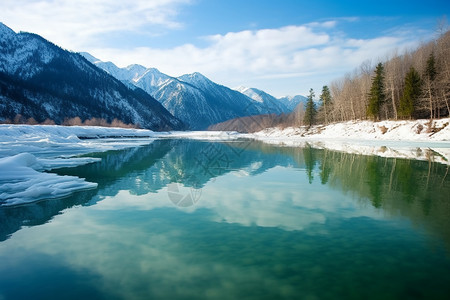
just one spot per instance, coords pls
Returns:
(182, 219)
(416, 189)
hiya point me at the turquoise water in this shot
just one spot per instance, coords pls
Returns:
(182, 219)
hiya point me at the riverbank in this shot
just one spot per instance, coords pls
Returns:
(416, 139)
(414, 130)
(28, 150)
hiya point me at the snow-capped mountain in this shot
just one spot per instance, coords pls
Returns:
(279, 105)
(193, 98)
(265, 99)
(198, 101)
(40, 80)
(291, 102)
(147, 79)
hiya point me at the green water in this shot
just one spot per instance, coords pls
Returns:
(184, 219)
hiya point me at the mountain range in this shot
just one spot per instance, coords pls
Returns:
(277, 105)
(195, 99)
(42, 81)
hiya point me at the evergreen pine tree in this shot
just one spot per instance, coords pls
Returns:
(430, 76)
(325, 101)
(376, 94)
(411, 93)
(310, 162)
(310, 111)
(431, 68)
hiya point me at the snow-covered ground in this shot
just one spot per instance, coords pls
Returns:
(21, 181)
(417, 130)
(418, 139)
(26, 151)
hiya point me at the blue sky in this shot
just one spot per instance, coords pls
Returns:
(284, 47)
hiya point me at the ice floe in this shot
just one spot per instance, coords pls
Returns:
(21, 182)
(26, 151)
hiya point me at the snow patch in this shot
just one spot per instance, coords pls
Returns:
(418, 139)
(418, 130)
(53, 140)
(20, 182)
(250, 92)
(26, 151)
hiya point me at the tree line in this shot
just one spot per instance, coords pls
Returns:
(411, 85)
(75, 121)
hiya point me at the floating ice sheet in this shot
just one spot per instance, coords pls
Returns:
(53, 141)
(20, 182)
(26, 151)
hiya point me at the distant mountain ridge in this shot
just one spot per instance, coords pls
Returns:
(291, 102)
(42, 81)
(278, 105)
(193, 98)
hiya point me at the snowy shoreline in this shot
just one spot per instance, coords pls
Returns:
(417, 130)
(418, 139)
(27, 150)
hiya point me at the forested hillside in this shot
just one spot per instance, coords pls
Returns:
(41, 82)
(414, 84)
(193, 98)
(408, 85)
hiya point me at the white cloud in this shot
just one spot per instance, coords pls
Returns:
(74, 24)
(242, 199)
(285, 60)
(326, 24)
(255, 51)
(310, 55)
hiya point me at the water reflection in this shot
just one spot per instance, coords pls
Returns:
(416, 189)
(184, 219)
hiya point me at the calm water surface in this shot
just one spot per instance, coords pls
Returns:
(184, 219)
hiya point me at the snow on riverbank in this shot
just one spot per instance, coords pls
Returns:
(53, 140)
(26, 151)
(417, 130)
(416, 139)
(21, 182)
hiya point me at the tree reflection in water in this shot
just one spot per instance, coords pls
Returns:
(418, 190)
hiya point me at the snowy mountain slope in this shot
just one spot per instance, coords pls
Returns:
(130, 73)
(251, 92)
(227, 103)
(187, 102)
(268, 101)
(151, 80)
(291, 102)
(20, 51)
(147, 79)
(40, 80)
(197, 101)
(193, 98)
(283, 105)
